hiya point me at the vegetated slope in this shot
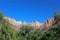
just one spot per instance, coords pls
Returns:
(49, 31)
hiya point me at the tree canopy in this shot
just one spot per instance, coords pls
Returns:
(27, 32)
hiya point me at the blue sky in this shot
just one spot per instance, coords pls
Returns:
(30, 10)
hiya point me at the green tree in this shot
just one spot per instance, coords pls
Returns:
(24, 31)
(52, 34)
(35, 35)
(57, 17)
(1, 16)
(6, 32)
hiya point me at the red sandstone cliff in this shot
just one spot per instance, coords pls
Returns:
(37, 25)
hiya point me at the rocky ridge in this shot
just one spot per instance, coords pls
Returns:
(36, 25)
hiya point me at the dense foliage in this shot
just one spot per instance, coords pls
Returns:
(27, 32)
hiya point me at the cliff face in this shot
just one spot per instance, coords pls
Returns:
(13, 23)
(47, 24)
(37, 25)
